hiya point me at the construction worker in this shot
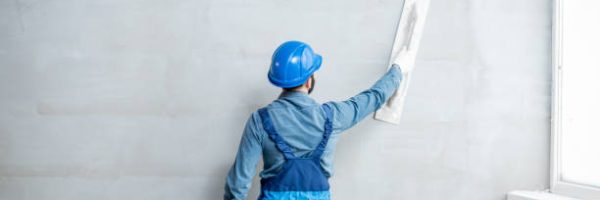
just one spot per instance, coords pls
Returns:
(295, 135)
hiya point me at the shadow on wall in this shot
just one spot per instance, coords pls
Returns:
(216, 187)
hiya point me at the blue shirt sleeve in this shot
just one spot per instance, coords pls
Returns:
(239, 178)
(348, 113)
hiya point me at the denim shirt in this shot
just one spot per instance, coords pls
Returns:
(300, 121)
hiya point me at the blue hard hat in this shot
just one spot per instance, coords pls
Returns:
(292, 63)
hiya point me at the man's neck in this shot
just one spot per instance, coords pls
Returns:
(302, 90)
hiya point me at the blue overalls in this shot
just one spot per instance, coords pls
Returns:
(300, 178)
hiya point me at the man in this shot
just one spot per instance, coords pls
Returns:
(296, 135)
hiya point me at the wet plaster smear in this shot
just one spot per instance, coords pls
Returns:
(131, 99)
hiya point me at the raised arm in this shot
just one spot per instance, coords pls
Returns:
(348, 113)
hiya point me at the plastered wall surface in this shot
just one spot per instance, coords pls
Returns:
(134, 99)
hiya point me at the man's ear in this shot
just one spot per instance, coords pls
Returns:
(307, 83)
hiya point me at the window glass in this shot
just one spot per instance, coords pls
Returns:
(580, 135)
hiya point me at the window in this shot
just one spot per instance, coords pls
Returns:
(576, 99)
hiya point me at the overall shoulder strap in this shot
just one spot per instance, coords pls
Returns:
(276, 138)
(318, 152)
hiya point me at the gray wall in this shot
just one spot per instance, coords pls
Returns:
(137, 99)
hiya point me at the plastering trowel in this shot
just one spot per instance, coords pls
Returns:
(406, 44)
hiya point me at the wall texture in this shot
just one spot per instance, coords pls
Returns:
(137, 99)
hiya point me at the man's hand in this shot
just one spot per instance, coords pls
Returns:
(405, 59)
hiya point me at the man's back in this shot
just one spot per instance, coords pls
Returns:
(300, 121)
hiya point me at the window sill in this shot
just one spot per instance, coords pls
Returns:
(535, 195)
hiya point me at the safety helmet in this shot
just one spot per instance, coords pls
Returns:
(292, 63)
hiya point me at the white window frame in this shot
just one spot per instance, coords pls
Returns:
(557, 185)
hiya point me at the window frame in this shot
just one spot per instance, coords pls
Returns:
(557, 185)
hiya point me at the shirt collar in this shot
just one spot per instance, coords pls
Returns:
(298, 97)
